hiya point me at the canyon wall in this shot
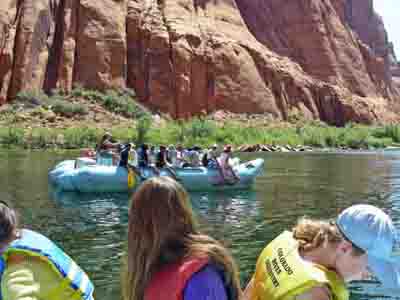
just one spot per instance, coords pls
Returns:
(328, 60)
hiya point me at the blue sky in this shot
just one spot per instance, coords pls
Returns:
(390, 11)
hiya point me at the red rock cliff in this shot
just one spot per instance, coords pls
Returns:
(310, 57)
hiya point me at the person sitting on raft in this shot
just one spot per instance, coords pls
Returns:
(124, 156)
(213, 152)
(33, 267)
(104, 150)
(180, 156)
(205, 159)
(152, 154)
(210, 157)
(143, 156)
(133, 158)
(192, 158)
(228, 174)
(125, 160)
(143, 159)
(317, 258)
(162, 162)
(167, 256)
(172, 156)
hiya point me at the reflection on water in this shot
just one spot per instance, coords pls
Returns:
(92, 227)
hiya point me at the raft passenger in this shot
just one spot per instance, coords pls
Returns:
(124, 156)
(172, 156)
(104, 150)
(192, 158)
(133, 157)
(144, 161)
(210, 158)
(162, 162)
(152, 155)
(213, 152)
(167, 256)
(317, 258)
(180, 156)
(228, 174)
(143, 156)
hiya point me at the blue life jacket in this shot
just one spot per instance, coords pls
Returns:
(212, 164)
(143, 158)
(34, 244)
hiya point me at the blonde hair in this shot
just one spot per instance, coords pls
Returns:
(312, 234)
(162, 230)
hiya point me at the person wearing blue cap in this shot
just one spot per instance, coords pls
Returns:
(318, 258)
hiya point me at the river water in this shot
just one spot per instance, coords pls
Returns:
(92, 228)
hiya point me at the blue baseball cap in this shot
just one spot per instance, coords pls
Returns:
(372, 230)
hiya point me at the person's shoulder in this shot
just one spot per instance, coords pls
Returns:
(206, 284)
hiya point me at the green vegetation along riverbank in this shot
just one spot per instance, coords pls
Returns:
(78, 120)
(205, 133)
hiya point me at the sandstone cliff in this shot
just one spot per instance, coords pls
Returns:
(327, 60)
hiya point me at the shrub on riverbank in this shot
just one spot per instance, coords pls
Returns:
(57, 103)
(204, 132)
(76, 103)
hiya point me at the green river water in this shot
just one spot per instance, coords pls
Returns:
(92, 228)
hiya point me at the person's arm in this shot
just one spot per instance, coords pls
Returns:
(165, 159)
(110, 145)
(206, 284)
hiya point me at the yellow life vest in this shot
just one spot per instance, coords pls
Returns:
(131, 178)
(281, 273)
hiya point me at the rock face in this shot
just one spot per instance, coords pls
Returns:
(8, 28)
(370, 29)
(327, 60)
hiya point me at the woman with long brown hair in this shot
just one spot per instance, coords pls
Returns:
(168, 258)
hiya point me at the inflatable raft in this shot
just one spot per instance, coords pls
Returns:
(83, 175)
